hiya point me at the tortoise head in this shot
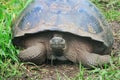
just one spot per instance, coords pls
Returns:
(57, 44)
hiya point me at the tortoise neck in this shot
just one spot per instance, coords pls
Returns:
(57, 35)
(58, 52)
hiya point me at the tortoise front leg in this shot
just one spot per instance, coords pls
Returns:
(88, 59)
(93, 59)
(35, 53)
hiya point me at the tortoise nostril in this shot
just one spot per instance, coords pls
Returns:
(52, 40)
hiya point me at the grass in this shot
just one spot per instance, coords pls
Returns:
(9, 64)
(110, 8)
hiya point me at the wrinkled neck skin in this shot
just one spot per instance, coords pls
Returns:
(58, 50)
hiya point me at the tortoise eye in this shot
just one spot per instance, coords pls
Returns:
(61, 40)
(53, 40)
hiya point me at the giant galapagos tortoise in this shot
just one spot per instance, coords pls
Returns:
(72, 30)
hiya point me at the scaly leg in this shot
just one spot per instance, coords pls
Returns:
(92, 59)
(87, 59)
(35, 53)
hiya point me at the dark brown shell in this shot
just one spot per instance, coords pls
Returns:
(79, 17)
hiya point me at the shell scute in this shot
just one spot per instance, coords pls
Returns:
(30, 19)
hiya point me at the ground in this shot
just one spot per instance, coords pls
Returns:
(116, 33)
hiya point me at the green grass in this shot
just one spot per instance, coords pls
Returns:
(111, 73)
(110, 8)
(9, 64)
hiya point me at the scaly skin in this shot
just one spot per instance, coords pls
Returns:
(77, 49)
(82, 50)
(35, 53)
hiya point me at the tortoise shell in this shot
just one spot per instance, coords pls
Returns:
(79, 17)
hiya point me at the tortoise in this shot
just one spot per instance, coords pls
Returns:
(73, 30)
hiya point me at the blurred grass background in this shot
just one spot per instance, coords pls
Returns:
(110, 8)
(9, 64)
